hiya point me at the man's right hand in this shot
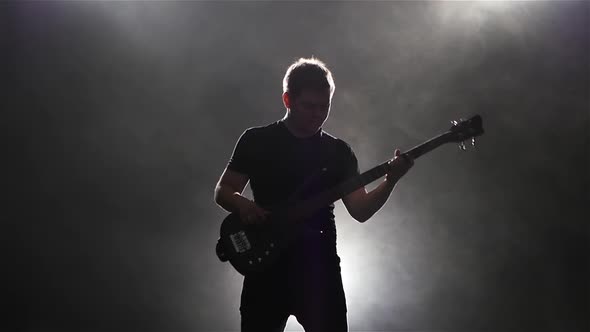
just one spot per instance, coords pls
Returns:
(250, 213)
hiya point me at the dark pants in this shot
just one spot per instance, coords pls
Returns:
(308, 287)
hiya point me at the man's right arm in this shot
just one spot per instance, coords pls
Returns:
(228, 195)
(229, 188)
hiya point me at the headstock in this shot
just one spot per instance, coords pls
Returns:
(466, 129)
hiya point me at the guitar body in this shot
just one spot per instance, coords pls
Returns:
(251, 248)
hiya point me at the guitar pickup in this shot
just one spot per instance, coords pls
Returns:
(240, 242)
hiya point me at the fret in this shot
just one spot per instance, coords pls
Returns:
(428, 145)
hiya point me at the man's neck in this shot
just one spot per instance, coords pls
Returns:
(295, 131)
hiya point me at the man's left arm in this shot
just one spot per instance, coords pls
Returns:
(362, 205)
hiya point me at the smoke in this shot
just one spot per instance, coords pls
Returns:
(128, 112)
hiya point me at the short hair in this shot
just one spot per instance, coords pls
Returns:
(307, 73)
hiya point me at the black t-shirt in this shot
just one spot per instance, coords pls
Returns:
(278, 163)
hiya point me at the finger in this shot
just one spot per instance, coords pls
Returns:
(397, 153)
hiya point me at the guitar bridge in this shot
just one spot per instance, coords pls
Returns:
(240, 242)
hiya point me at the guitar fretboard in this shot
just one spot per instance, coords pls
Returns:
(299, 212)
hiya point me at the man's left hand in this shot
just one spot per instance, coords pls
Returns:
(398, 166)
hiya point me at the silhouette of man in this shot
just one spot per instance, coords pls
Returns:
(277, 158)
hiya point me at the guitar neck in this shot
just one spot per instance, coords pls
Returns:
(307, 207)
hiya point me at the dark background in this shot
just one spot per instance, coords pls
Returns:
(120, 117)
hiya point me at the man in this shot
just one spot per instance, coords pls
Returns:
(294, 155)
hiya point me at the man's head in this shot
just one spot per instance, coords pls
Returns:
(308, 88)
(307, 74)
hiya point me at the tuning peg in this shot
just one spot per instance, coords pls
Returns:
(462, 146)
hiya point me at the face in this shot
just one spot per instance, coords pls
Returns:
(309, 110)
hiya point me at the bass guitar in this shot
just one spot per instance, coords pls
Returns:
(252, 248)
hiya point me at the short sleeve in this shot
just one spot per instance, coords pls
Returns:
(351, 165)
(242, 157)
